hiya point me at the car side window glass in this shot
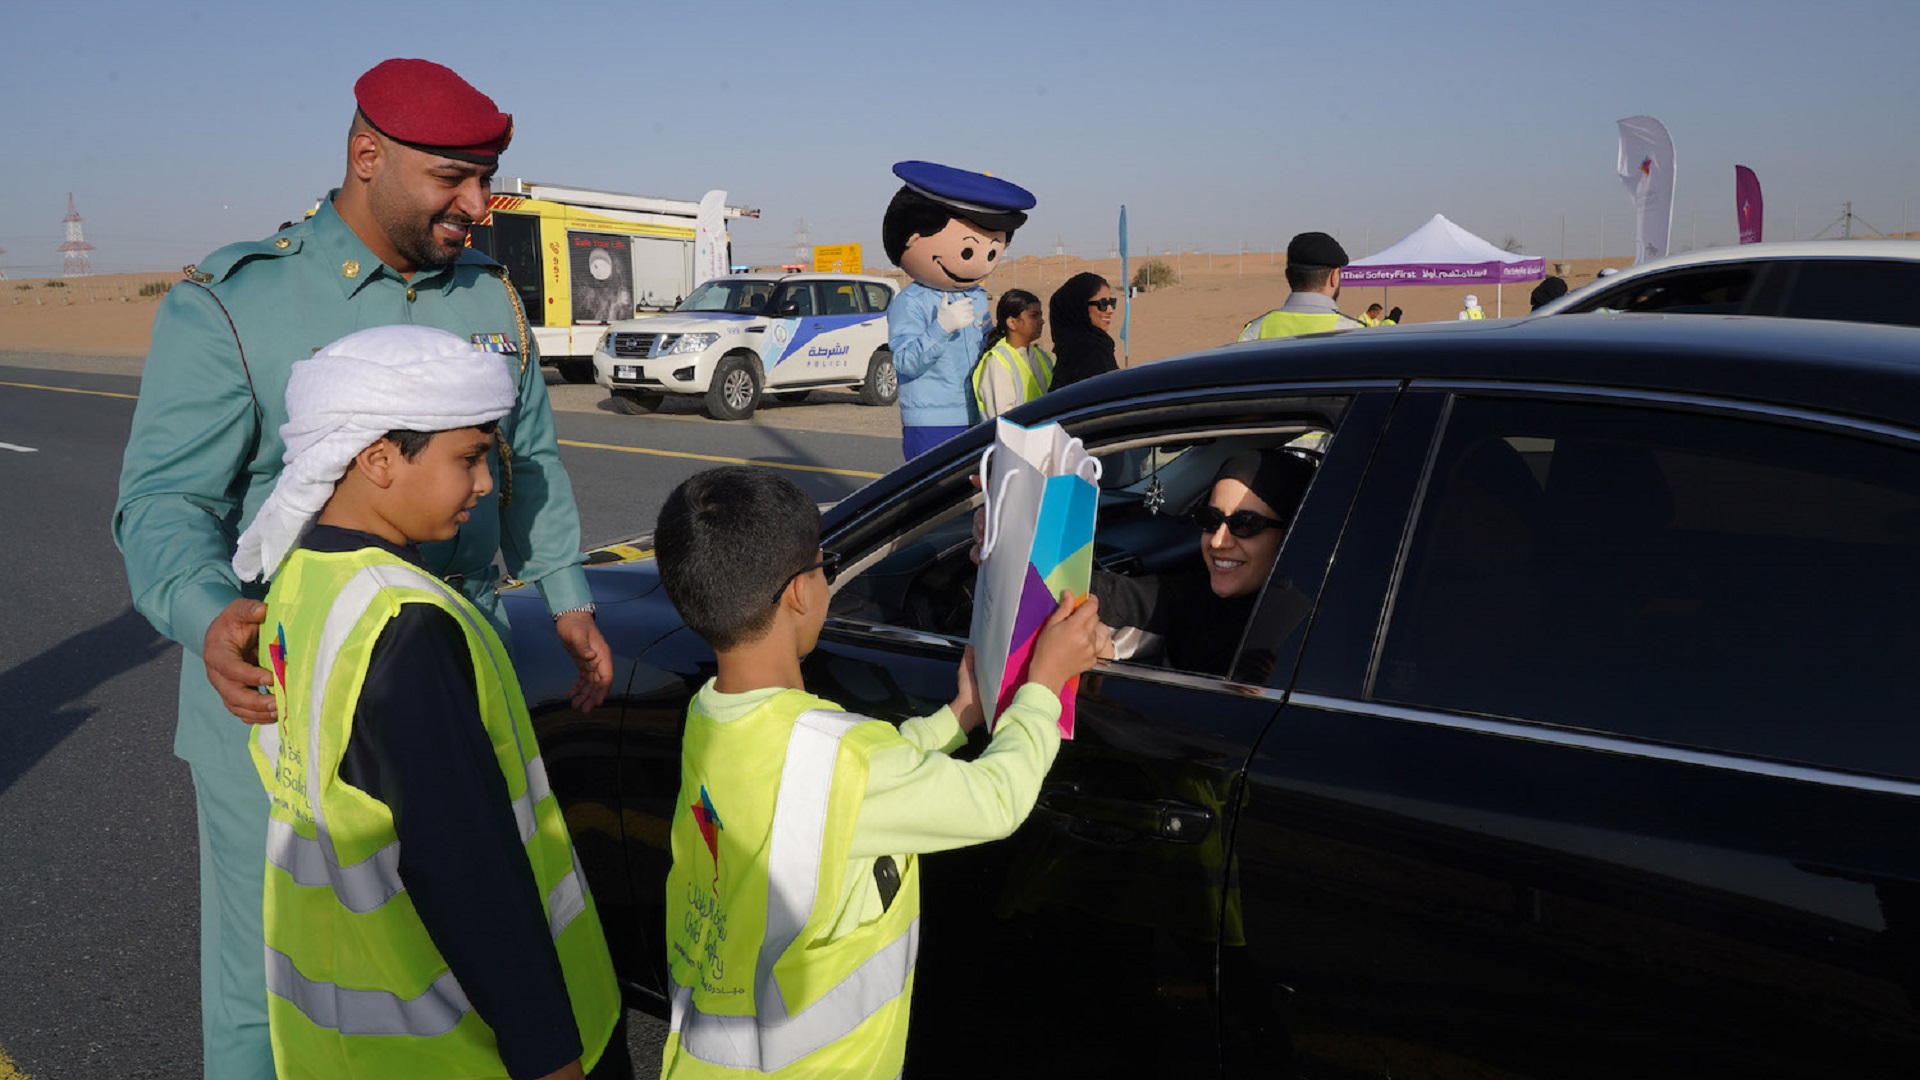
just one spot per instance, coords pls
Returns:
(1728, 584)
(798, 293)
(838, 298)
(1857, 290)
(878, 296)
(1720, 290)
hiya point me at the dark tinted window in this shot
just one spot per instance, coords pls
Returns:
(1698, 580)
(513, 241)
(1718, 290)
(1859, 290)
(798, 293)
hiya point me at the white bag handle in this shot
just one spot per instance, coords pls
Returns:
(992, 504)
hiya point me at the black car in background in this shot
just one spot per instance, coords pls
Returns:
(1598, 755)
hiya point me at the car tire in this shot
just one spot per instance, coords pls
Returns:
(735, 390)
(575, 371)
(636, 402)
(882, 385)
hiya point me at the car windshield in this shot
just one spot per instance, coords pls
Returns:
(733, 296)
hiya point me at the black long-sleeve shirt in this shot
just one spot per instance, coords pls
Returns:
(419, 745)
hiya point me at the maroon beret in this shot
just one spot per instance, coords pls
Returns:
(429, 107)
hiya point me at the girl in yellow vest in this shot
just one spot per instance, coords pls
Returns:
(424, 914)
(793, 901)
(1013, 368)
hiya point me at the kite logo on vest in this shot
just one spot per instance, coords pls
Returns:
(709, 821)
(495, 343)
(277, 651)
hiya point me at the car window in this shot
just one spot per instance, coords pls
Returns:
(1692, 579)
(1715, 290)
(799, 293)
(837, 298)
(1859, 290)
(878, 296)
(925, 582)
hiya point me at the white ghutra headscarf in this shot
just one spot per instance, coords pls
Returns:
(343, 398)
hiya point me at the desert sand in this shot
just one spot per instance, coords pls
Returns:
(105, 315)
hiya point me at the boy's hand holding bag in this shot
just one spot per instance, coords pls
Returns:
(1042, 489)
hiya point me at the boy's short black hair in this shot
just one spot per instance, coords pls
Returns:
(412, 442)
(726, 539)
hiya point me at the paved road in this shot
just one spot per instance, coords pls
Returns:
(98, 882)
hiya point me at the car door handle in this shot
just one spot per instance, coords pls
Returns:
(1168, 819)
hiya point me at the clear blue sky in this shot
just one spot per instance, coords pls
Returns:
(179, 127)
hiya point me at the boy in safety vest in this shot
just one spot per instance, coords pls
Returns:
(793, 902)
(424, 913)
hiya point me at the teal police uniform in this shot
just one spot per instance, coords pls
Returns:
(203, 454)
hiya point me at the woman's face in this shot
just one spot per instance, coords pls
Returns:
(1024, 329)
(1100, 308)
(1238, 566)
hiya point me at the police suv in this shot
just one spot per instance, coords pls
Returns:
(738, 337)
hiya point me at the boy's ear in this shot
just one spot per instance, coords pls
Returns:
(378, 461)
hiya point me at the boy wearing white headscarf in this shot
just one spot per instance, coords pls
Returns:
(423, 909)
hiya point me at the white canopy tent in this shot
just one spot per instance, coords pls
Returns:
(1442, 253)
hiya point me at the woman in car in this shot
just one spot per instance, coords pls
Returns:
(1081, 310)
(1200, 614)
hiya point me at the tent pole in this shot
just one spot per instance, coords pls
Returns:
(1499, 305)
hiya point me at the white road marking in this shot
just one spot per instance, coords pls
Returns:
(19, 449)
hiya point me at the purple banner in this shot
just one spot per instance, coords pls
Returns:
(1486, 273)
(1752, 210)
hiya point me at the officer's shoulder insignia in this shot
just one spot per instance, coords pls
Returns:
(222, 263)
(496, 343)
(196, 275)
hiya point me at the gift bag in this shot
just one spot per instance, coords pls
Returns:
(1041, 488)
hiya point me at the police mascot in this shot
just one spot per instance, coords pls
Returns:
(947, 228)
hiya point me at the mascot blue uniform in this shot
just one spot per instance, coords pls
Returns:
(947, 228)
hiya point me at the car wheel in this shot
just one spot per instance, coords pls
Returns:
(575, 371)
(882, 385)
(735, 389)
(636, 403)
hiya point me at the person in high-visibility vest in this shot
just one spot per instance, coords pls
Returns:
(424, 913)
(1375, 316)
(1013, 368)
(1314, 260)
(1471, 310)
(793, 900)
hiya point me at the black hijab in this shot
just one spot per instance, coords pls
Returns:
(1081, 350)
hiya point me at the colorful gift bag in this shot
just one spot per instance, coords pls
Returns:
(1042, 488)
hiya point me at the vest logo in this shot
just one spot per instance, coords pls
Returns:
(277, 651)
(709, 821)
(495, 343)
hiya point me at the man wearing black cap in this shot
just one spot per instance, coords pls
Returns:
(1314, 260)
(389, 246)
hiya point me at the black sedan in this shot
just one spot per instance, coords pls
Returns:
(1597, 755)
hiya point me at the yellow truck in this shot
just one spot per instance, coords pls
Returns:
(582, 259)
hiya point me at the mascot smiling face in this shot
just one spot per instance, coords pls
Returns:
(948, 227)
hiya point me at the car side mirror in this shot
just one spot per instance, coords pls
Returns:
(787, 307)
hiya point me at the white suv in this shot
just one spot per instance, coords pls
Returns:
(740, 336)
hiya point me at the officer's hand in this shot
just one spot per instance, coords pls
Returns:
(228, 650)
(581, 636)
(955, 314)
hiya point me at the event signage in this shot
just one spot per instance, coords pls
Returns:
(710, 254)
(1486, 273)
(1645, 166)
(1750, 209)
(836, 259)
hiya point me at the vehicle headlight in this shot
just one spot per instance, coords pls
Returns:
(687, 343)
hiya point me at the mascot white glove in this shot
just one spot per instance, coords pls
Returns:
(955, 314)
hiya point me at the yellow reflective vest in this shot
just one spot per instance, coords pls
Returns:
(1473, 313)
(761, 835)
(1032, 379)
(355, 985)
(1280, 324)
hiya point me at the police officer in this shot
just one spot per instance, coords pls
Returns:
(388, 246)
(1314, 260)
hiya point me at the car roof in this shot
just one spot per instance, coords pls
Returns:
(808, 276)
(1902, 250)
(1866, 371)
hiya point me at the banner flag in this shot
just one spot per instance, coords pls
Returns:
(1646, 168)
(1748, 204)
(710, 238)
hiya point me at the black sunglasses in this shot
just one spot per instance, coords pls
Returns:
(1108, 304)
(1244, 524)
(829, 563)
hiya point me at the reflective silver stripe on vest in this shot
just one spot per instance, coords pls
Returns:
(368, 1012)
(771, 1039)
